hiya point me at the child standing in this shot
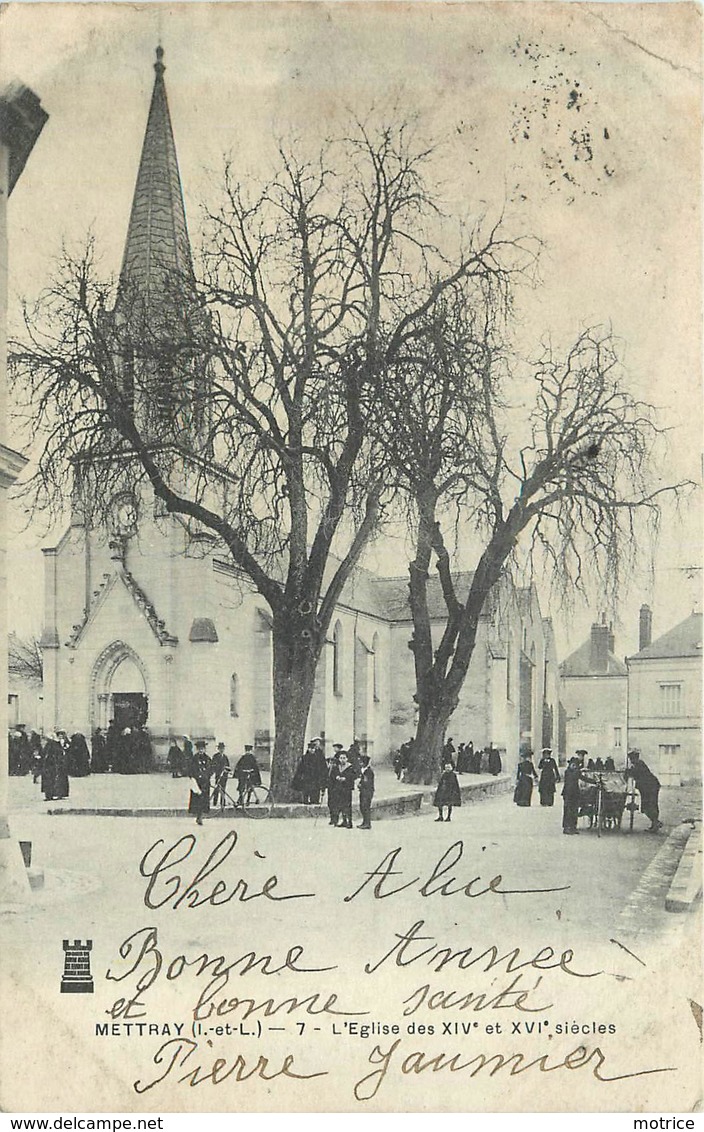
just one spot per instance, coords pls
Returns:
(447, 794)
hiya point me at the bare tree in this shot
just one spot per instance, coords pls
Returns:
(573, 483)
(25, 658)
(247, 399)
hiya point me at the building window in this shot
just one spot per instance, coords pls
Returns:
(337, 659)
(234, 696)
(13, 710)
(671, 699)
(669, 750)
(375, 667)
(617, 736)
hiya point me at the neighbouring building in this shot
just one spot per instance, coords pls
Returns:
(665, 699)
(594, 695)
(22, 120)
(148, 622)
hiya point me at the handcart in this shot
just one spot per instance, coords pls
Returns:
(602, 799)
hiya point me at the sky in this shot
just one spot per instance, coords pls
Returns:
(579, 123)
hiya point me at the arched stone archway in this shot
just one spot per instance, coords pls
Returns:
(119, 685)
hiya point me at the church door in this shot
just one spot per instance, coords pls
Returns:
(129, 709)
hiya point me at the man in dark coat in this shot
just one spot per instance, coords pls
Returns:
(247, 772)
(354, 754)
(549, 777)
(333, 765)
(448, 753)
(220, 769)
(366, 792)
(343, 786)
(36, 747)
(570, 796)
(200, 772)
(648, 786)
(311, 775)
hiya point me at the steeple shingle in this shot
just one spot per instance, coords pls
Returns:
(157, 238)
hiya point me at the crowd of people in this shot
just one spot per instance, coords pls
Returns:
(336, 775)
(581, 769)
(465, 759)
(51, 759)
(56, 757)
(316, 775)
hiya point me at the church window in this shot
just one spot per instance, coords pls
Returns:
(337, 659)
(375, 667)
(234, 696)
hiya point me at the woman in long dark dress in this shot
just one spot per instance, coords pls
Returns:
(78, 756)
(525, 777)
(549, 777)
(447, 794)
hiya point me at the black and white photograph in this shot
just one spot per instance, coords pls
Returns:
(350, 467)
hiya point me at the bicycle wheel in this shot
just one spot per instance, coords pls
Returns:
(258, 796)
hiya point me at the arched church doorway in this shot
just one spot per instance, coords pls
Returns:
(119, 688)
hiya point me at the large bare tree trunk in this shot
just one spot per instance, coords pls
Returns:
(426, 759)
(295, 662)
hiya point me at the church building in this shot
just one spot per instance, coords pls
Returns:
(146, 623)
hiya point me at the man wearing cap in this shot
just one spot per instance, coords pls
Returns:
(199, 782)
(220, 770)
(247, 772)
(648, 787)
(366, 792)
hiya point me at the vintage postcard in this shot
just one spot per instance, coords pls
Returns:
(351, 462)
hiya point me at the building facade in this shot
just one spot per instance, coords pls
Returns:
(665, 701)
(594, 694)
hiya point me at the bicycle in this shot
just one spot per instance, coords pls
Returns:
(249, 796)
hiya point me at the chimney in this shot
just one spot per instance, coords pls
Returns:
(599, 651)
(645, 627)
(612, 639)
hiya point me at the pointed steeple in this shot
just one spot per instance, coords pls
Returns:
(157, 238)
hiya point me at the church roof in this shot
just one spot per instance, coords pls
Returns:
(392, 595)
(683, 640)
(579, 663)
(157, 237)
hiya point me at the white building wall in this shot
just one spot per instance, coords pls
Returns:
(652, 728)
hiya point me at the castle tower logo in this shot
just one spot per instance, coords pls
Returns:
(77, 977)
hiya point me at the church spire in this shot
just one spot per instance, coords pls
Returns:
(157, 238)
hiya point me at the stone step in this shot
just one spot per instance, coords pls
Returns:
(686, 886)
